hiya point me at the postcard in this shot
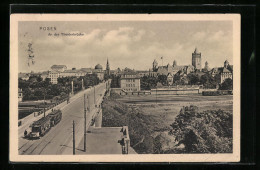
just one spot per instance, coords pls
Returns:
(124, 88)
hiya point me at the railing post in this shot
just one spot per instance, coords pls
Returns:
(85, 126)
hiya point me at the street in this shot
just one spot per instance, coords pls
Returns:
(59, 137)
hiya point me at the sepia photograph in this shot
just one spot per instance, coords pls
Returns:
(125, 88)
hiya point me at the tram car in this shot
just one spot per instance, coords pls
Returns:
(43, 125)
(40, 127)
(55, 117)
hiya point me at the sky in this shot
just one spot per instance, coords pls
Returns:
(132, 44)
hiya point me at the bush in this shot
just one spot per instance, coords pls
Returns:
(203, 132)
(210, 93)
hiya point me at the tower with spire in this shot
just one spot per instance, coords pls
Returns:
(196, 59)
(107, 68)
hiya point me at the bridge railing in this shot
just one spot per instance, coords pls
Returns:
(125, 141)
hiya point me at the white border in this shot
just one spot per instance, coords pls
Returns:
(13, 122)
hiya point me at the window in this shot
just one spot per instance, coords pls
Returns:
(133, 80)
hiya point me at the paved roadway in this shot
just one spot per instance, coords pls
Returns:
(59, 137)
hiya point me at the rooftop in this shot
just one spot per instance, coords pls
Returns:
(58, 66)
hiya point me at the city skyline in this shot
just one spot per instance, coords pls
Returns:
(126, 44)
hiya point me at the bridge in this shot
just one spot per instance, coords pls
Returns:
(58, 141)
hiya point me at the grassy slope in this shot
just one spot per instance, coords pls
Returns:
(141, 126)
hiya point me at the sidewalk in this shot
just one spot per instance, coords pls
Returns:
(99, 141)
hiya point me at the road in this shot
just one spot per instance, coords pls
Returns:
(59, 138)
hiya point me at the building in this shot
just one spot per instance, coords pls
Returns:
(59, 68)
(175, 68)
(130, 81)
(72, 73)
(170, 69)
(24, 76)
(87, 70)
(99, 72)
(206, 68)
(196, 59)
(224, 72)
(169, 79)
(20, 95)
(54, 75)
(142, 73)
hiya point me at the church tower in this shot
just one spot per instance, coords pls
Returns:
(196, 59)
(174, 63)
(206, 68)
(155, 65)
(226, 63)
(107, 68)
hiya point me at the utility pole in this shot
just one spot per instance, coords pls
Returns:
(85, 126)
(88, 106)
(156, 95)
(72, 88)
(73, 138)
(44, 106)
(94, 96)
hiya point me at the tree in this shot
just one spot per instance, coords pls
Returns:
(176, 78)
(162, 79)
(39, 78)
(90, 80)
(203, 132)
(208, 81)
(148, 82)
(115, 81)
(227, 84)
(193, 78)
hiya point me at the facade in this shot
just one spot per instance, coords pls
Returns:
(130, 82)
(224, 72)
(59, 68)
(196, 59)
(54, 75)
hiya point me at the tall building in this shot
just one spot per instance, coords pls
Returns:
(107, 68)
(54, 75)
(130, 81)
(196, 59)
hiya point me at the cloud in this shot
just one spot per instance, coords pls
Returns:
(130, 46)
